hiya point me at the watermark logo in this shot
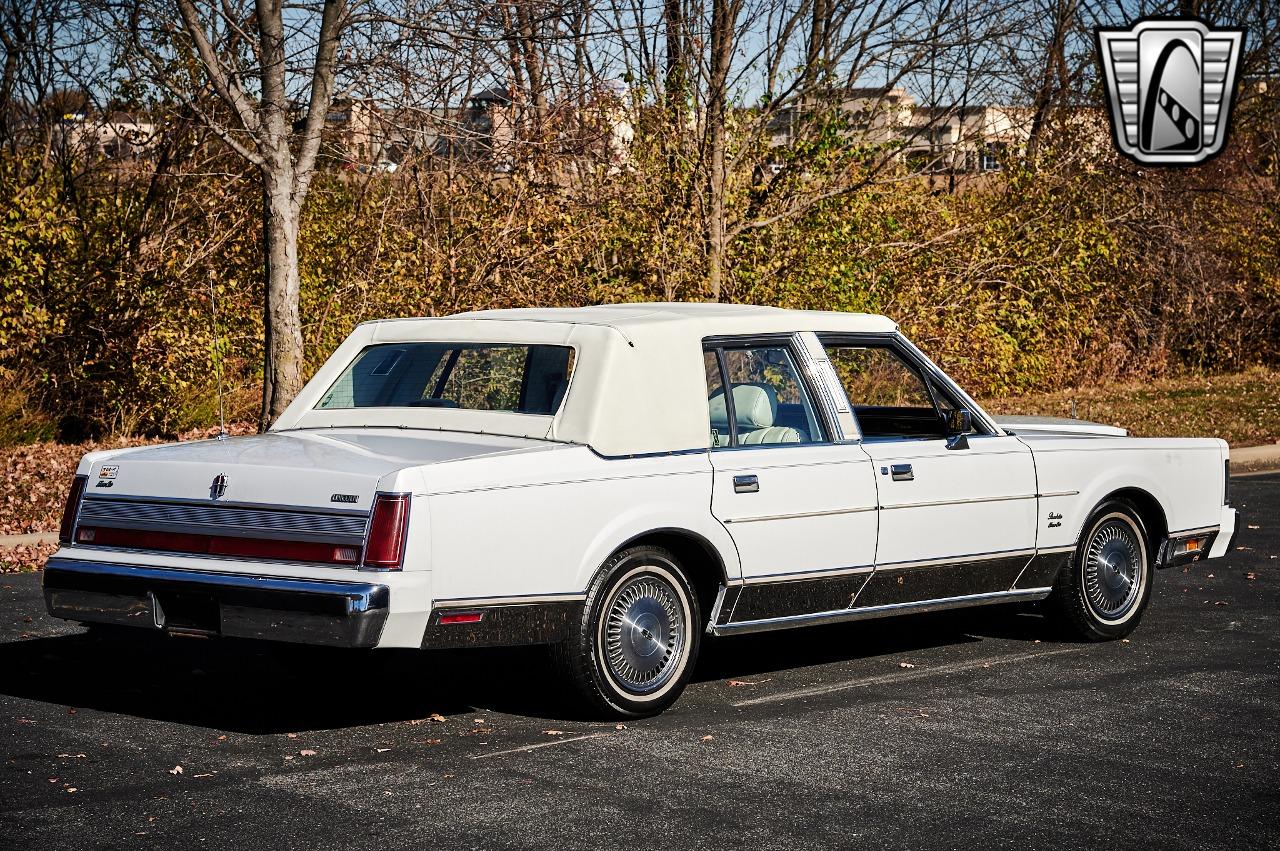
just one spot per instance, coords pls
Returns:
(1169, 86)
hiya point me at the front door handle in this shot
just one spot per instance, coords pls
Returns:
(902, 473)
(746, 484)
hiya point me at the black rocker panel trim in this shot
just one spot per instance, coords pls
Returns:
(503, 625)
(1044, 569)
(798, 597)
(889, 585)
(731, 597)
(913, 584)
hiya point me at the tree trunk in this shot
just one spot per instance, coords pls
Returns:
(282, 317)
(724, 15)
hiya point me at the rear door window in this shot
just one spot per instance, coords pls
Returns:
(768, 403)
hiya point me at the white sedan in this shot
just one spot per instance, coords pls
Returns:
(581, 478)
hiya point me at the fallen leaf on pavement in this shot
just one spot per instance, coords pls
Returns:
(291, 735)
(70, 756)
(736, 683)
(619, 726)
(1251, 574)
(177, 769)
(553, 732)
(381, 750)
(1251, 526)
(306, 752)
(707, 738)
(905, 665)
(72, 789)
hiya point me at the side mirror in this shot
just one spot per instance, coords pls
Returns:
(959, 424)
(959, 421)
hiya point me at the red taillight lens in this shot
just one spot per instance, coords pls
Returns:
(71, 509)
(387, 529)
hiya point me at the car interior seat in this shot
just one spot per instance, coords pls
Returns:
(756, 409)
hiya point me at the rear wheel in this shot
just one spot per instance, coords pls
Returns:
(635, 646)
(1104, 593)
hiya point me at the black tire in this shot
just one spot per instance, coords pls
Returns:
(637, 666)
(1095, 598)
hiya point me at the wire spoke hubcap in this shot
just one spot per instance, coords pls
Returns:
(1113, 570)
(644, 634)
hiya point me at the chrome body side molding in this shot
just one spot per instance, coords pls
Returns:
(869, 612)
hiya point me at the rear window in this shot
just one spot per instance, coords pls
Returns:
(523, 379)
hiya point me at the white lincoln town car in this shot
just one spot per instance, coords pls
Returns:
(617, 481)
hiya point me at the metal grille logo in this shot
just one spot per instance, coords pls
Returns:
(1169, 85)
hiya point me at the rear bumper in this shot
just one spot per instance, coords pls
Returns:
(306, 611)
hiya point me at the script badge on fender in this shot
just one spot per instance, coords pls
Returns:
(1170, 83)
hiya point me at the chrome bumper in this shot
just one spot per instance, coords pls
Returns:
(307, 611)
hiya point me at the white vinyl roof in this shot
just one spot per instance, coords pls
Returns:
(638, 383)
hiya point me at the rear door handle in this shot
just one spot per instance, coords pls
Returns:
(902, 473)
(746, 484)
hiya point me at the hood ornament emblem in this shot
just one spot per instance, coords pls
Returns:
(218, 487)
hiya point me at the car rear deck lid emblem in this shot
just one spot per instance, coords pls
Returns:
(218, 487)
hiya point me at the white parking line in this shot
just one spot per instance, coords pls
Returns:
(903, 676)
(539, 745)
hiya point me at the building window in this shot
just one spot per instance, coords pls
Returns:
(991, 156)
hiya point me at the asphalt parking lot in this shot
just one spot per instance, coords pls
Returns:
(977, 729)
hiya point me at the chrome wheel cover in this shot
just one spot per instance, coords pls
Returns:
(643, 634)
(1113, 569)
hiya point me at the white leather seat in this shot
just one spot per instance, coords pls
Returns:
(756, 408)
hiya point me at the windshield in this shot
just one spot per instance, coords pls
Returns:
(523, 379)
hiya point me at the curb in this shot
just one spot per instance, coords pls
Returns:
(28, 540)
(1255, 459)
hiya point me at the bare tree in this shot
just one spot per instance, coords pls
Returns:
(267, 77)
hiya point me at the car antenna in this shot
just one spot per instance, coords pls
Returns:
(217, 363)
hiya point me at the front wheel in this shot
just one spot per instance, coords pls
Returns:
(637, 642)
(1104, 593)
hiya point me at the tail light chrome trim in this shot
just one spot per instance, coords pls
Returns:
(388, 532)
(71, 509)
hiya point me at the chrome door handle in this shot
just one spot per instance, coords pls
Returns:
(746, 484)
(902, 473)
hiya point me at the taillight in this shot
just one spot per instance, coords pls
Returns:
(71, 509)
(387, 531)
